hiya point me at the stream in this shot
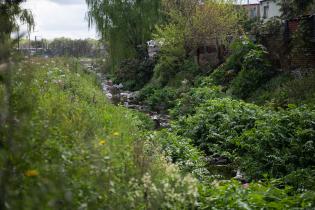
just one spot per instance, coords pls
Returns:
(117, 95)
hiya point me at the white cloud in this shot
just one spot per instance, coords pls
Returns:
(69, 1)
(57, 18)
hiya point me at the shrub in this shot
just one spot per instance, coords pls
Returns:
(189, 101)
(182, 153)
(286, 89)
(166, 69)
(256, 70)
(216, 123)
(134, 74)
(239, 49)
(258, 140)
(159, 99)
(279, 143)
(233, 195)
(171, 71)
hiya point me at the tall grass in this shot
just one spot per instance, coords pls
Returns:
(72, 149)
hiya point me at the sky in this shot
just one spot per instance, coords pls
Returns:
(63, 18)
(60, 18)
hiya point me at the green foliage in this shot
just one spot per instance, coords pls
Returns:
(294, 8)
(172, 65)
(189, 101)
(166, 69)
(216, 123)
(302, 38)
(280, 142)
(69, 47)
(286, 89)
(233, 195)
(245, 61)
(301, 180)
(258, 140)
(171, 71)
(72, 149)
(171, 38)
(255, 72)
(239, 48)
(182, 152)
(124, 24)
(159, 99)
(134, 74)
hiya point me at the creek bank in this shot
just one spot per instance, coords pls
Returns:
(116, 94)
(129, 99)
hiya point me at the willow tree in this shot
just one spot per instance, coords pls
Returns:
(11, 14)
(124, 24)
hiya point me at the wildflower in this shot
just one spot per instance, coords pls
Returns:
(246, 185)
(102, 142)
(31, 173)
(115, 134)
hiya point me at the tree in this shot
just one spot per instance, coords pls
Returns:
(294, 8)
(192, 24)
(124, 24)
(10, 13)
(213, 20)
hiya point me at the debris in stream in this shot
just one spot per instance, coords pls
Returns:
(116, 94)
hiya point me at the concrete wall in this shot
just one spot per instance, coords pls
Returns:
(273, 11)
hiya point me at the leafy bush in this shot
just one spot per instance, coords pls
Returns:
(286, 89)
(233, 195)
(182, 152)
(189, 101)
(255, 71)
(216, 123)
(157, 98)
(280, 143)
(245, 69)
(166, 69)
(173, 66)
(134, 74)
(301, 180)
(259, 141)
(239, 49)
(171, 71)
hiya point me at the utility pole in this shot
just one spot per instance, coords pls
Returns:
(29, 43)
(18, 37)
(35, 44)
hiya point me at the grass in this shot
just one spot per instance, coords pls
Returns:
(72, 149)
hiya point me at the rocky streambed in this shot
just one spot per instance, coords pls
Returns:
(117, 95)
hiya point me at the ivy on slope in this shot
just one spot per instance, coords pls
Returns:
(275, 150)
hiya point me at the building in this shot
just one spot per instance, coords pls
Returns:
(253, 10)
(265, 9)
(269, 9)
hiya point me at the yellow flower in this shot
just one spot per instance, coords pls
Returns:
(115, 134)
(102, 142)
(31, 173)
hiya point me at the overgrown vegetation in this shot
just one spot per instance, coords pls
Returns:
(82, 152)
(241, 134)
